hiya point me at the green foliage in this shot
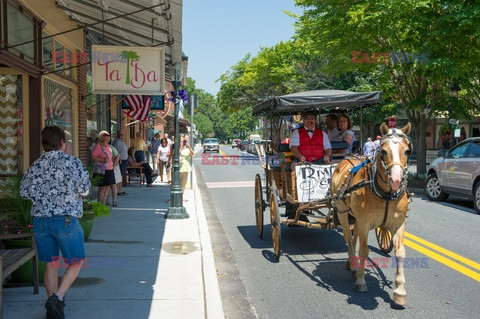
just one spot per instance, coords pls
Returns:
(13, 206)
(97, 208)
(95, 180)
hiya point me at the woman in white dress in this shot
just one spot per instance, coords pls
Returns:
(164, 159)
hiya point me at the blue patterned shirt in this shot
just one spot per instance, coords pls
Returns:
(54, 183)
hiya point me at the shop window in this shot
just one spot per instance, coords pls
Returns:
(11, 117)
(20, 29)
(47, 51)
(59, 110)
(58, 58)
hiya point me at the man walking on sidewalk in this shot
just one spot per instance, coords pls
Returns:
(119, 144)
(55, 183)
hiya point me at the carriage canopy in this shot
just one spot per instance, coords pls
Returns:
(323, 100)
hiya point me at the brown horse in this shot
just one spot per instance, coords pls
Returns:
(375, 194)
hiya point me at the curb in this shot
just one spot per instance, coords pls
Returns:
(213, 300)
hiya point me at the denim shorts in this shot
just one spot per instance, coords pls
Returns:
(52, 234)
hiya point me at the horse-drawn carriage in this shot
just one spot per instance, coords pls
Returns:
(356, 193)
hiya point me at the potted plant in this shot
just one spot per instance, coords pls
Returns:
(92, 210)
(16, 219)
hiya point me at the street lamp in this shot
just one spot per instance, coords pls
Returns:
(454, 89)
(176, 209)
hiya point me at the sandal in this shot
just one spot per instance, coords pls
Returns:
(114, 205)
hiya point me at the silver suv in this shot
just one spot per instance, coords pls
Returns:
(457, 172)
(211, 144)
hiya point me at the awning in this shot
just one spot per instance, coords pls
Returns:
(182, 121)
(159, 25)
(321, 100)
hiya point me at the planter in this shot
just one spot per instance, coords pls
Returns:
(87, 224)
(25, 272)
(93, 194)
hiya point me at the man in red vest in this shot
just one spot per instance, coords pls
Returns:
(310, 144)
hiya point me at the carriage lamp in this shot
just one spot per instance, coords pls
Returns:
(454, 89)
(176, 209)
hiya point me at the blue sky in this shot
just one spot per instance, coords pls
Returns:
(219, 33)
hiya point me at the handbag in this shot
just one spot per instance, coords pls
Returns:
(100, 167)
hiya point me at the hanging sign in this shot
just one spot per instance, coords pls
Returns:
(128, 70)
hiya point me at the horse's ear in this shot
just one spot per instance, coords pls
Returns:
(384, 129)
(406, 128)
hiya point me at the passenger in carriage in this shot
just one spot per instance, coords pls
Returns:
(331, 122)
(346, 134)
(310, 144)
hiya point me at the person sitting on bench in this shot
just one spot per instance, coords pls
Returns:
(310, 144)
(146, 167)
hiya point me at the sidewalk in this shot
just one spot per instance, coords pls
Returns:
(140, 265)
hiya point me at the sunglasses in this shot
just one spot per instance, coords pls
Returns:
(106, 135)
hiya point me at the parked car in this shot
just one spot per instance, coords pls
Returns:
(211, 144)
(457, 172)
(243, 146)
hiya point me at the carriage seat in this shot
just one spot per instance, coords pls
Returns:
(339, 145)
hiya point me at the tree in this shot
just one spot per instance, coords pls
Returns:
(358, 31)
(204, 125)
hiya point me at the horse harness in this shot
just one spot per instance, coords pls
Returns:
(396, 136)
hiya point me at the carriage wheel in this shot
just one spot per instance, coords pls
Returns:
(384, 239)
(275, 222)
(259, 205)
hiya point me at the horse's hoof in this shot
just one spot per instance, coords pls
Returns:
(348, 265)
(400, 300)
(361, 287)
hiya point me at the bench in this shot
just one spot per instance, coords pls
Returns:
(134, 171)
(12, 259)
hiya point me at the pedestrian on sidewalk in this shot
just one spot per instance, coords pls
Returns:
(164, 159)
(154, 150)
(55, 183)
(119, 144)
(368, 148)
(103, 162)
(186, 153)
(117, 175)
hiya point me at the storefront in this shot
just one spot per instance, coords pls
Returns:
(36, 87)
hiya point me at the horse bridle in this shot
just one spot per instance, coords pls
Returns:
(397, 136)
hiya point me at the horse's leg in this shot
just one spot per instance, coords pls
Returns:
(362, 233)
(347, 234)
(399, 294)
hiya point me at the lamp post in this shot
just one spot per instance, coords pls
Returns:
(453, 93)
(176, 209)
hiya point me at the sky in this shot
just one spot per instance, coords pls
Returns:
(219, 33)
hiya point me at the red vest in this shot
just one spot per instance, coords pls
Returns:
(311, 148)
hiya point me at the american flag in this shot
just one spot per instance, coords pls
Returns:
(139, 106)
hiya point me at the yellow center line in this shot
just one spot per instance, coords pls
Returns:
(444, 251)
(444, 260)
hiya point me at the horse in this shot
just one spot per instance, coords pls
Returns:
(373, 191)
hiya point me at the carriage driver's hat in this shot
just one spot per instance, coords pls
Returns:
(309, 112)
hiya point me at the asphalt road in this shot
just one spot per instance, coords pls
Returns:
(310, 280)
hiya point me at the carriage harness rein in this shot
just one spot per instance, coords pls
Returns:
(396, 136)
